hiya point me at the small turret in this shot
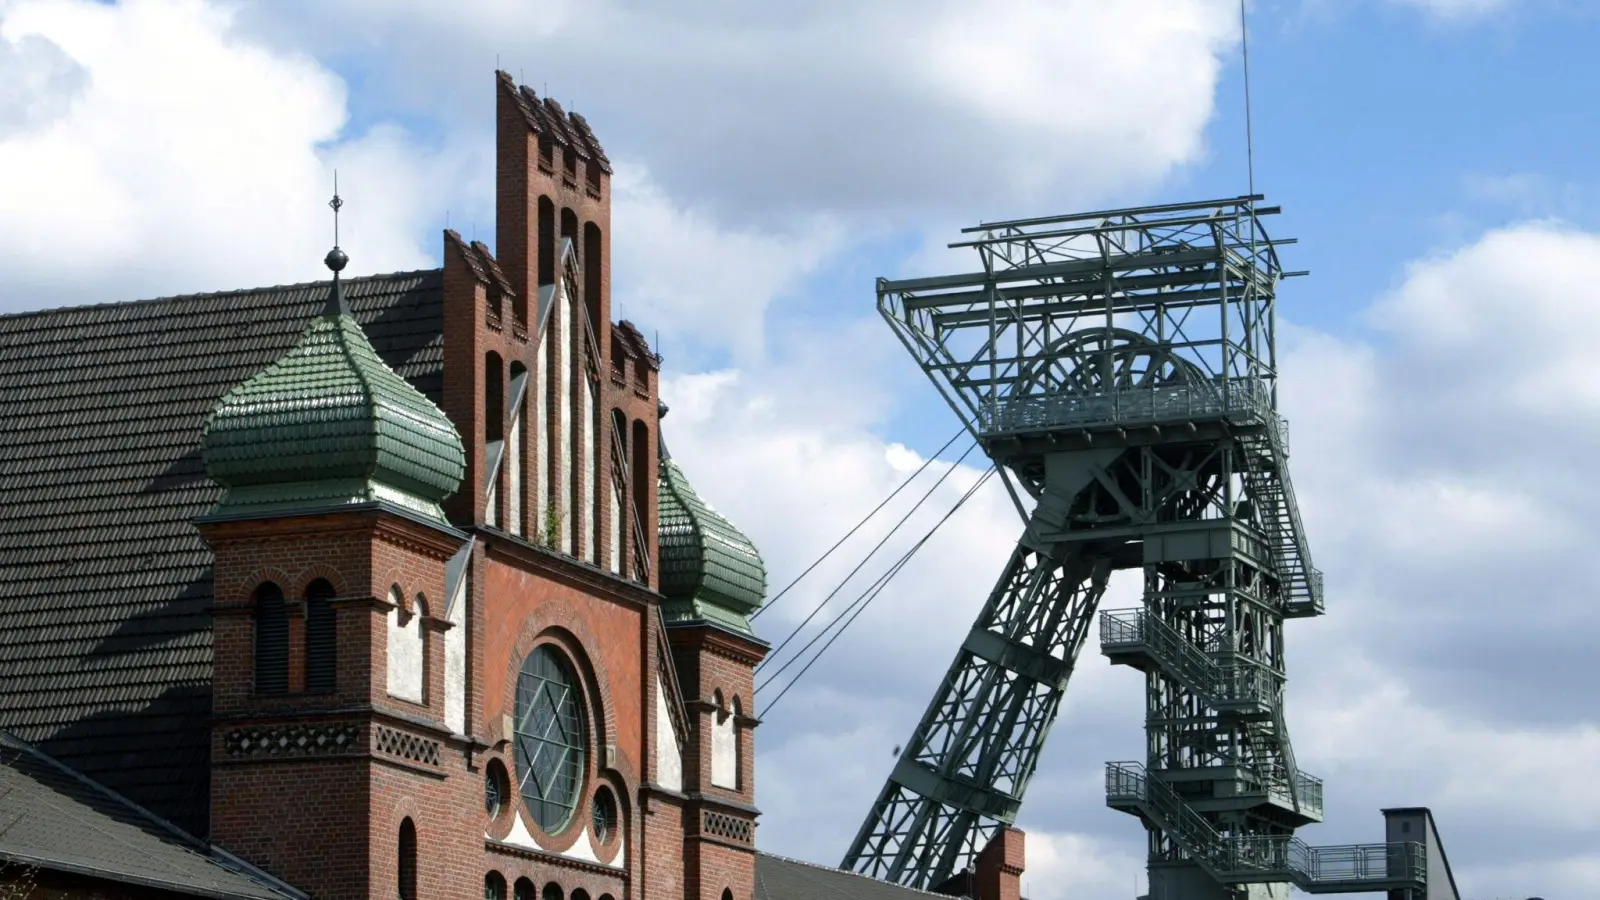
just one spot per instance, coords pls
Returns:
(328, 425)
(709, 570)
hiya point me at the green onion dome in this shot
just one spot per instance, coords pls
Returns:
(328, 425)
(709, 570)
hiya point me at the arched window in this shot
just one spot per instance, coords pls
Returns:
(322, 638)
(524, 890)
(494, 392)
(272, 640)
(641, 479)
(591, 272)
(408, 860)
(547, 241)
(552, 891)
(514, 464)
(494, 886)
(550, 739)
(727, 894)
(569, 228)
(407, 647)
(580, 894)
(724, 746)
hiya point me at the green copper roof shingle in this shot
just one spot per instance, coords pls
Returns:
(709, 570)
(329, 424)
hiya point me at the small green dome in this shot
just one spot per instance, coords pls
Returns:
(709, 570)
(329, 425)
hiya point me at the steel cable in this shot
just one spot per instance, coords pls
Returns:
(868, 558)
(920, 469)
(864, 601)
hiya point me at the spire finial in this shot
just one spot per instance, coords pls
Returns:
(336, 258)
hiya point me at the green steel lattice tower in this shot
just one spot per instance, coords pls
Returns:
(1120, 369)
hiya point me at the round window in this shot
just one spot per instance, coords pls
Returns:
(604, 814)
(496, 788)
(549, 739)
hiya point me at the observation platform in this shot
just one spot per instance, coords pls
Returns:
(1357, 868)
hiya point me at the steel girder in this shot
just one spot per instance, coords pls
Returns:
(969, 761)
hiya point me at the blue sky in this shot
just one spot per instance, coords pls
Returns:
(1434, 158)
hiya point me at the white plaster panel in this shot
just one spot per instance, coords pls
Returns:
(514, 475)
(581, 849)
(405, 656)
(588, 550)
(564, 416)
(669, 762)
(541, 437)
(724, 750)
(616, 530)
(455, 662)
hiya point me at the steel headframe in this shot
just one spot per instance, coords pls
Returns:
(1122, 365)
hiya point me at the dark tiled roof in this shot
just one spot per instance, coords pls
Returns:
(778, 878)
(54, 818)
(639, 348)
(105, 587)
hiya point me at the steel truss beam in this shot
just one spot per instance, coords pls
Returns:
(969, 761)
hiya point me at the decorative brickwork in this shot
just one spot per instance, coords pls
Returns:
(406, 746)
(321, 739)
(727, 827)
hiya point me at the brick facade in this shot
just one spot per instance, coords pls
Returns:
(316, 788)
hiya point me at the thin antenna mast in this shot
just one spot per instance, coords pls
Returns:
(335, 203)
(1249, 134)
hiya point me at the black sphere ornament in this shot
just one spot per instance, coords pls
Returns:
(336, 260)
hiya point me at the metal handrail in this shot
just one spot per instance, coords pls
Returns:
(1248, 398)
(1220, 685)
(1252, 855)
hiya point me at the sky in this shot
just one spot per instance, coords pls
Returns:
(1434, 157)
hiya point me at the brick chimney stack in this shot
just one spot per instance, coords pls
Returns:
(999, 869)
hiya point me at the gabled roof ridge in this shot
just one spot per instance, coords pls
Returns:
(812, 865)
(211, 295)
(190, 843)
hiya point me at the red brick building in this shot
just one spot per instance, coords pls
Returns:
(382, 586)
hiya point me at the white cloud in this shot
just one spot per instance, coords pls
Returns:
(1068, 866)
(1445, 473)
(677, 267)
(772, 110)
(189, 160)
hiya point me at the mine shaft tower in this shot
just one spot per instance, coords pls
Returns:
(1120, 369)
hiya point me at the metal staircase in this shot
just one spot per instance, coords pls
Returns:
(1266, 453)
(1246, 859)
(1243, 690)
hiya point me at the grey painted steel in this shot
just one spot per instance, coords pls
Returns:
(1121, 367)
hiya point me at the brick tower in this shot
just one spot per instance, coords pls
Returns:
(712, 579)
(332, 571)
